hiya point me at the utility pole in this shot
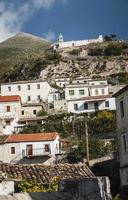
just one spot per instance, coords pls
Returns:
(87, 142)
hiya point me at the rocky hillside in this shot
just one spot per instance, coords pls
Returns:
(26, 57)
(109, 60)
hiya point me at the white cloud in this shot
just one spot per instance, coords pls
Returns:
(50, 35)
(43, 3)
(12, 18)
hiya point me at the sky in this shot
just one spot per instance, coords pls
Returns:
(75, 19)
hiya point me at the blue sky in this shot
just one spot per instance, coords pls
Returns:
(75, 19)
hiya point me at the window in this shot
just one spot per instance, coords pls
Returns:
(106, 104)
(29, 98)
(102, 83)
(34, 112)
(38, 86)
(12, 150)
(122, 108)
(85, 106)
(29, 87)
(81, 92)
(96, 92)
(8, 108)
(7, 122)
(96, 106)
(19, 87)
(75, 106)
(103, 91)
(71, 92)
(22, 112)
(9, 88)
(38, 97)
(47, 148)
(124, 142)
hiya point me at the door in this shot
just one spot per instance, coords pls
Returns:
(29, 150)
(96, 106)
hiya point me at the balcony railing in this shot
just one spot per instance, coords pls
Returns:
(35, 152)
(7, 115)
(31, 153)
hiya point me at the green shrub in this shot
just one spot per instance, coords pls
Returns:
(113, 50)
(95, 52)
(42, 113)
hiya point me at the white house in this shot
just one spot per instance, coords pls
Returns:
(15, 147)
(30, 91)
(70, 44)
(89, 96)
(91, 104)
(10, 111)
(122, 130)
(88, 88)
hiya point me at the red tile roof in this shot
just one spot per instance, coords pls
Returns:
(11, 98)
(32, 137)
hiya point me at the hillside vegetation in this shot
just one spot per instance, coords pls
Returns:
(19, 54)
(25, 56)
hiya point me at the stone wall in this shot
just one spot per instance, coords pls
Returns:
(71, 189)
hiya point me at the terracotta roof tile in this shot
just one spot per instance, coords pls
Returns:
(11, 98)
(42, 173)
(31, 137)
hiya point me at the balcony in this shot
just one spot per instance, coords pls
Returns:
(35, 152)
(7, 115)
(32, 155)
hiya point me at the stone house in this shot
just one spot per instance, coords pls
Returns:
(122, 130)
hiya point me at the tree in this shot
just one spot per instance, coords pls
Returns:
(97, 149)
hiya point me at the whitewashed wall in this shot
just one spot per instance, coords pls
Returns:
(76, 89)
(61, 82)
(38, 148)
(78, 43)
(34, 92)
(12, 116)
(91, 107)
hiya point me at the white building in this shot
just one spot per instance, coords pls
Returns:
(10, 111)
(15, 147)
(30, 91)
(88, 88)
(91, 104)
(122, 129)
(70, 44)
(89, 96)
(62, 81)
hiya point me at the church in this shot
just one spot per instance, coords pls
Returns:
(61, 44)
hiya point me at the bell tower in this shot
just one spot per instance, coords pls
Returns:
(61, 39)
